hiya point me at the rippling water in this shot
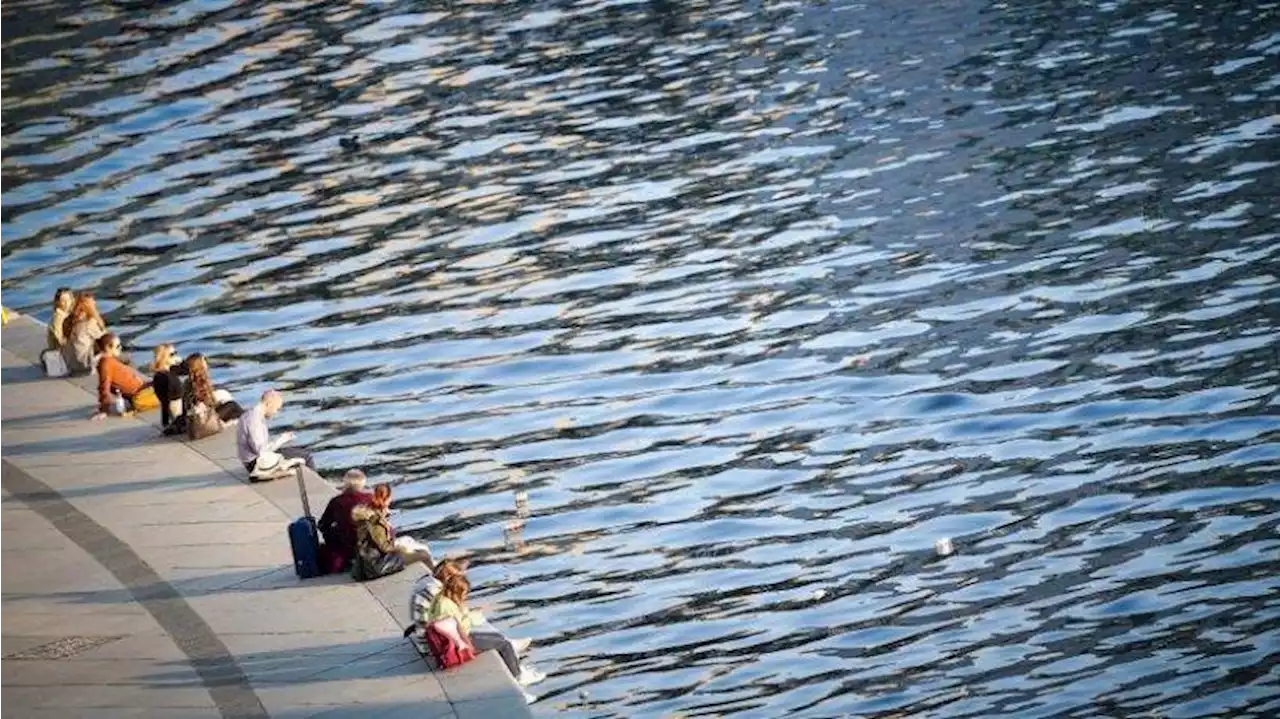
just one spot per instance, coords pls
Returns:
(756, 300)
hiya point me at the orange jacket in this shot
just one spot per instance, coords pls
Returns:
(114, 373)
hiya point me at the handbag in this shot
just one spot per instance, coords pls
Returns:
(55, 365)
(145, 401)
(202, 422)
(449, 648)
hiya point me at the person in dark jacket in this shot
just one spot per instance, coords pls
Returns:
(377, 551)
(335, 523)
(168, 370)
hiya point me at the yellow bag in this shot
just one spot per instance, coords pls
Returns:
(145, 401)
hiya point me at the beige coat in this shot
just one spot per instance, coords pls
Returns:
(56, 338)
(79, 349)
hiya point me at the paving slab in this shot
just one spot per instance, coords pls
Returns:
(144, 576)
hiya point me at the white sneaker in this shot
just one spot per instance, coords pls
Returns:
(521, 646)
(530, 676)
(529, 698)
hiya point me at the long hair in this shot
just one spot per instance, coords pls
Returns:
(84, 309)
(198, 376)
(457, 588)
(447, 568)
(105, 341)
(381, 497)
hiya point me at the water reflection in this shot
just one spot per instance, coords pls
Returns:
(754, 300)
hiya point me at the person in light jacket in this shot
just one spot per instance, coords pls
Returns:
(81, 331)
(253, 439)
(63, 300)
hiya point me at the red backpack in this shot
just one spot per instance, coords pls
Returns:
(447, 645)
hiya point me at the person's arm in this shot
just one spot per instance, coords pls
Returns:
(259, 438)
(55, 328)
(380, 537)
(326, 517)
(280, 441)
(464, 621)
(445, 608)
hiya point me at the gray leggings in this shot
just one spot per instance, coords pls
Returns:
(484, 638)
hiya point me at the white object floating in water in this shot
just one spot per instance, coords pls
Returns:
(819, 593)
(943, 547)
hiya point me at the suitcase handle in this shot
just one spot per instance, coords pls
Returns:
(302, 489)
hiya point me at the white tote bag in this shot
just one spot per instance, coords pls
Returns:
(55, 365)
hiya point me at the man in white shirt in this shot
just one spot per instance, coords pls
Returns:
(253, 438)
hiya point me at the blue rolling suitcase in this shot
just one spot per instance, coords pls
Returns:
(303, 537)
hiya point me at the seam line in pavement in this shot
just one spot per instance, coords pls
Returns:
(218, 670)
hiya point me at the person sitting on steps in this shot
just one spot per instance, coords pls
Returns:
(167, 370)
(428, 589)
(200, 390)
(451, 603)
(63, 300)
(115, 376)
(253, 440)
(377, 551)
(336, 523)
(81, 331)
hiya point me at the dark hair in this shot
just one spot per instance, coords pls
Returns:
(105, 341)
(59, 293)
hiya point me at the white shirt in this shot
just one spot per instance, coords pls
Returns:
(252, 437)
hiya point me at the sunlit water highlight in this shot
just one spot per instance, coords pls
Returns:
(756, 300)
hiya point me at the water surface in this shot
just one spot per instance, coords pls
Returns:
(755, 300)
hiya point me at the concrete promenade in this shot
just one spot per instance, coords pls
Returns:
(143, 576)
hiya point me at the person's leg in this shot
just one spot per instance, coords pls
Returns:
(421, 555)
(298, 453)
(229, 411)
(162, 394)
(415, 552)
(485, 639)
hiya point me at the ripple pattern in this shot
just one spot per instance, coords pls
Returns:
(755, 300)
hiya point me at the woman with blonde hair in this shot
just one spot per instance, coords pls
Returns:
(167, 369)
(81, 330)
